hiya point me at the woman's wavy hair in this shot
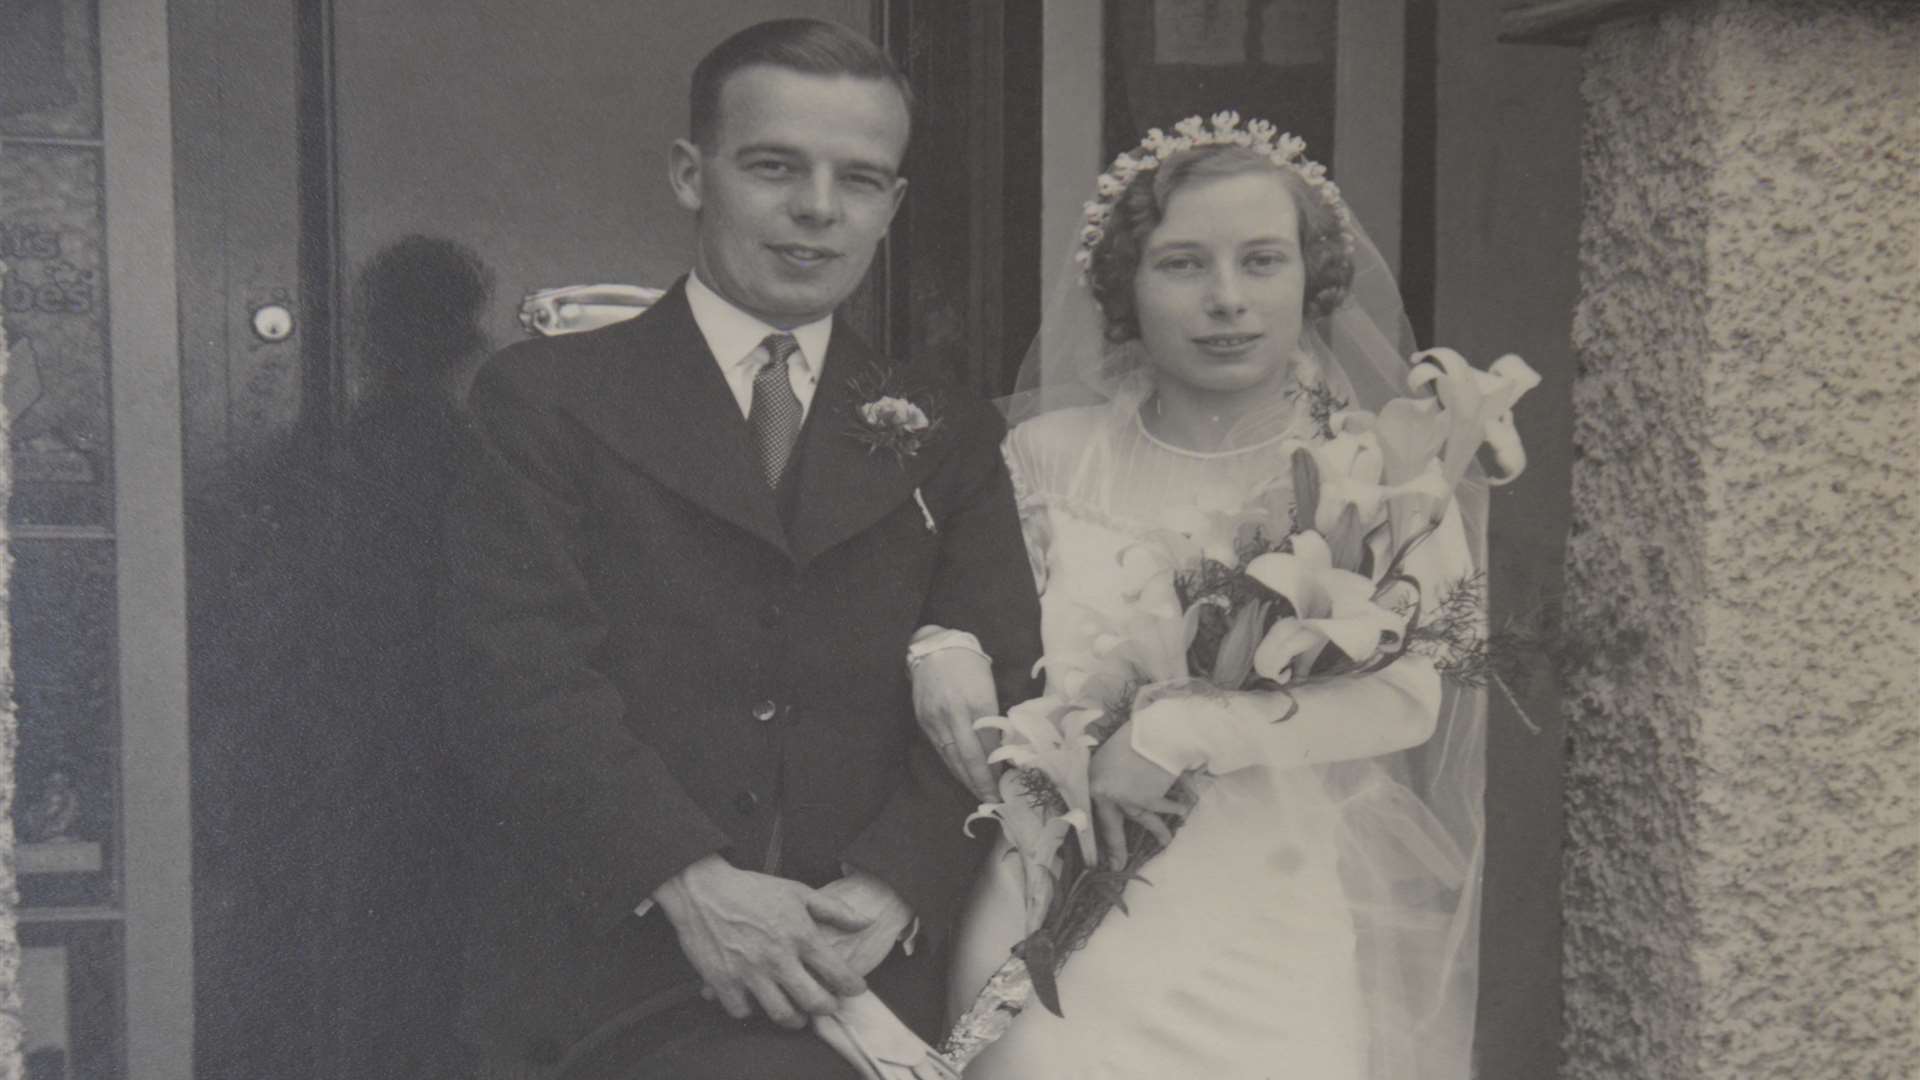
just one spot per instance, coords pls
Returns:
(1142, 206)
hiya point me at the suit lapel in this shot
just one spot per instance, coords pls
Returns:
(844, 487)
(663, 405)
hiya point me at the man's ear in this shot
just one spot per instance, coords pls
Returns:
(899, 196)
(684, 163)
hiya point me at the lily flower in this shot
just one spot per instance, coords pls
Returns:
(1347, 540)
(1411, 433)
(1049, 735)
(1147, 578)
(1209, 528)
(1477, 407)
(1331, 606)
(1233, 661)
(1362, 478)
(1094, 676)
(1036, 835)
(1349, 466)
(1271, 507)
(1148, 631)
(1413, 509)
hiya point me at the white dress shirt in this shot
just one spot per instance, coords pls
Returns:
(734, 338)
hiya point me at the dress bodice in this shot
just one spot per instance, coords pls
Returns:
(1089, 480)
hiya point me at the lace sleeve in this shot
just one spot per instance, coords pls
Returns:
(1034, 526)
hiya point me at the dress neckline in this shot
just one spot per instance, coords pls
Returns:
(1140, 425)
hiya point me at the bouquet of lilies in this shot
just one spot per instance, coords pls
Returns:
(1304, 583)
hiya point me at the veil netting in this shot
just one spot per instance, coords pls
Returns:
(1411, 824)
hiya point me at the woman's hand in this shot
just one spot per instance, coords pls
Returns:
(1126, 786)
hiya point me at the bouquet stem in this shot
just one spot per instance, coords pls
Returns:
(1075, 916)
(993, 1011)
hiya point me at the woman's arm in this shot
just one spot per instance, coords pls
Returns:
(1335, 720)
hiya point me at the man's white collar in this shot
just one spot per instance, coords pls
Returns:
(733, 334)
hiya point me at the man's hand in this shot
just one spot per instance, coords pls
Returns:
(764, 938)
(1125, 786)
(886, 913)
(951, 689)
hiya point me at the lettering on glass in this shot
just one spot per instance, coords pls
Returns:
(59, 288)
(53, 301)
(28, 242)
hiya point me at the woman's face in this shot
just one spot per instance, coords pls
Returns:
(1221, 286)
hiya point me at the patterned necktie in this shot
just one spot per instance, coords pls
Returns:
(775, 413)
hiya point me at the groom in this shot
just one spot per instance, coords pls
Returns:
(690, 607)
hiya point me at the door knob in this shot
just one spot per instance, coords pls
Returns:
(272, 323)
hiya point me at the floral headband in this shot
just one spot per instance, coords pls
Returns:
(1259, 136)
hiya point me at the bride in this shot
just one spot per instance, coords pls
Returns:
(1316, 914)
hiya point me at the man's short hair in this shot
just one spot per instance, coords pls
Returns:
(804, 45)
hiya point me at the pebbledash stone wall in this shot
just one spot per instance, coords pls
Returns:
(10, 1033)
(1743, 788)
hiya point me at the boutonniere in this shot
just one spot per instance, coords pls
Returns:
(891, 417)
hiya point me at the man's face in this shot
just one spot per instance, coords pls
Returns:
(798, 185)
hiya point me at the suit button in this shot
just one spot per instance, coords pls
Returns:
(765, 711)
(746, 802)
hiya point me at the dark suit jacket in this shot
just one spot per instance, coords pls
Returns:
(648, 661)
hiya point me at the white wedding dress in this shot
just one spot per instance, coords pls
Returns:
(1244, 956)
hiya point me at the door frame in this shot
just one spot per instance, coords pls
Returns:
(149, 534)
